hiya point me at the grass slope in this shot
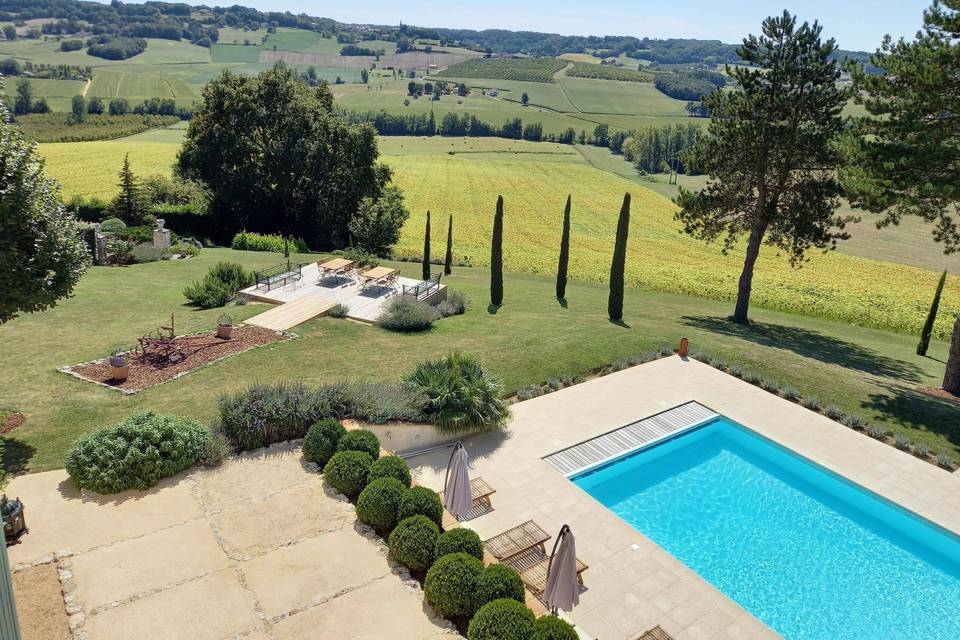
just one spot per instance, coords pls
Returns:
(871, 372)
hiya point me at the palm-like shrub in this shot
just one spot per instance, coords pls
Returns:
(360, 440)
(347, 472)
(378, 503)
(499, 581)
(459, 540)
(451, 584)
(412, 542)
(136, 453)
(421, 501)
(501, 620)
(390, 467)
(321, 440)
(553, 628)
(460, 395)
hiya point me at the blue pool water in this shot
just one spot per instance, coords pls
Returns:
(812, 555)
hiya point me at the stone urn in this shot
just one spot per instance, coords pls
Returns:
(119, 366)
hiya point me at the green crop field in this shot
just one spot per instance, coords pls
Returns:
(231, 35)
(539, 70)
(534, 180)
(607, 72)
(234, 53)
(300, 40)
(58, 93)
(625, 98)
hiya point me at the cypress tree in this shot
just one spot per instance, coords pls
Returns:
(426, 249)
(617, 266)
(931, 317)
(448, 260)
(564, 254)
(496, 257)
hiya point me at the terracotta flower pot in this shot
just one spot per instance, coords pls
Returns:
(119, 373)
(224, 331)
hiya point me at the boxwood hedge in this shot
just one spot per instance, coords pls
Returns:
(412, 542)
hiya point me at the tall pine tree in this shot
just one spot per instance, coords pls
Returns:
(770, 151)
(496, 257)
(931, 317)
(129, 204)
(619, 263)
(564, 261)
(905, 159)
(426, 249)
(448, 259)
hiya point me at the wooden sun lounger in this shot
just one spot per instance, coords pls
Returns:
(480, 492)
(379, 276)
(515, 541)
(337, 266)
(532, 567)
(657, 633)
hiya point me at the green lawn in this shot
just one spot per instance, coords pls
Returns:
(234, 53)
(530, 339)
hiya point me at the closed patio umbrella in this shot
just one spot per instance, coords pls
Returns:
(457, 495)
(563, 590)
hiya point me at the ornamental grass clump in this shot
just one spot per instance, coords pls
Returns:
(460, 394)
(406, 315)
(137, 453)
(501, 620)
(390, 467)
(833, 412)
(811, 402)
(459, 540)
(452, 584)
(412, 542)
(267, 413)
(321, 440)
(347, 472)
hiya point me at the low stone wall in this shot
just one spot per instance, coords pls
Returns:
(403, 437)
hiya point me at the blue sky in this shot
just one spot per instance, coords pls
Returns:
(856, 24)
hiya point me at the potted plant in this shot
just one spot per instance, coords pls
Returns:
(119, 365)
(14, 524)
(224, 327)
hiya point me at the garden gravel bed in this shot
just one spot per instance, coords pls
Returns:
(204, 348)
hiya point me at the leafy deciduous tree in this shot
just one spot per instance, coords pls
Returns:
(376, 226)
(43, 256)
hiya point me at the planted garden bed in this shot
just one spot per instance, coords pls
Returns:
(202, 349)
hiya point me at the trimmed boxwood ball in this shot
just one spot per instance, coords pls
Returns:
(499, 581)
(501, 620)
(390, 467)
(347, 472)
(321, 440)
(451, 584)
(378, 503)
(553, 628)
(412, 541)
(421, 501)
(460, 541)
(360, 440)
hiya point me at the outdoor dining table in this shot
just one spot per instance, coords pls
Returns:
(380, 276)
(336, 266)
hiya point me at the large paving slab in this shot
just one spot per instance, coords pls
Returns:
(140, 565)
(632, 584)
(215, 606)
(373, 612)
(313, 571)
(62, 517)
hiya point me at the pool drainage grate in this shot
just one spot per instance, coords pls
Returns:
(619, 442)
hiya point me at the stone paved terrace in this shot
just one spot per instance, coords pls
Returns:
(257, 549)
(632, 584)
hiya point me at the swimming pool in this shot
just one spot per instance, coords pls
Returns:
(807, 552)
